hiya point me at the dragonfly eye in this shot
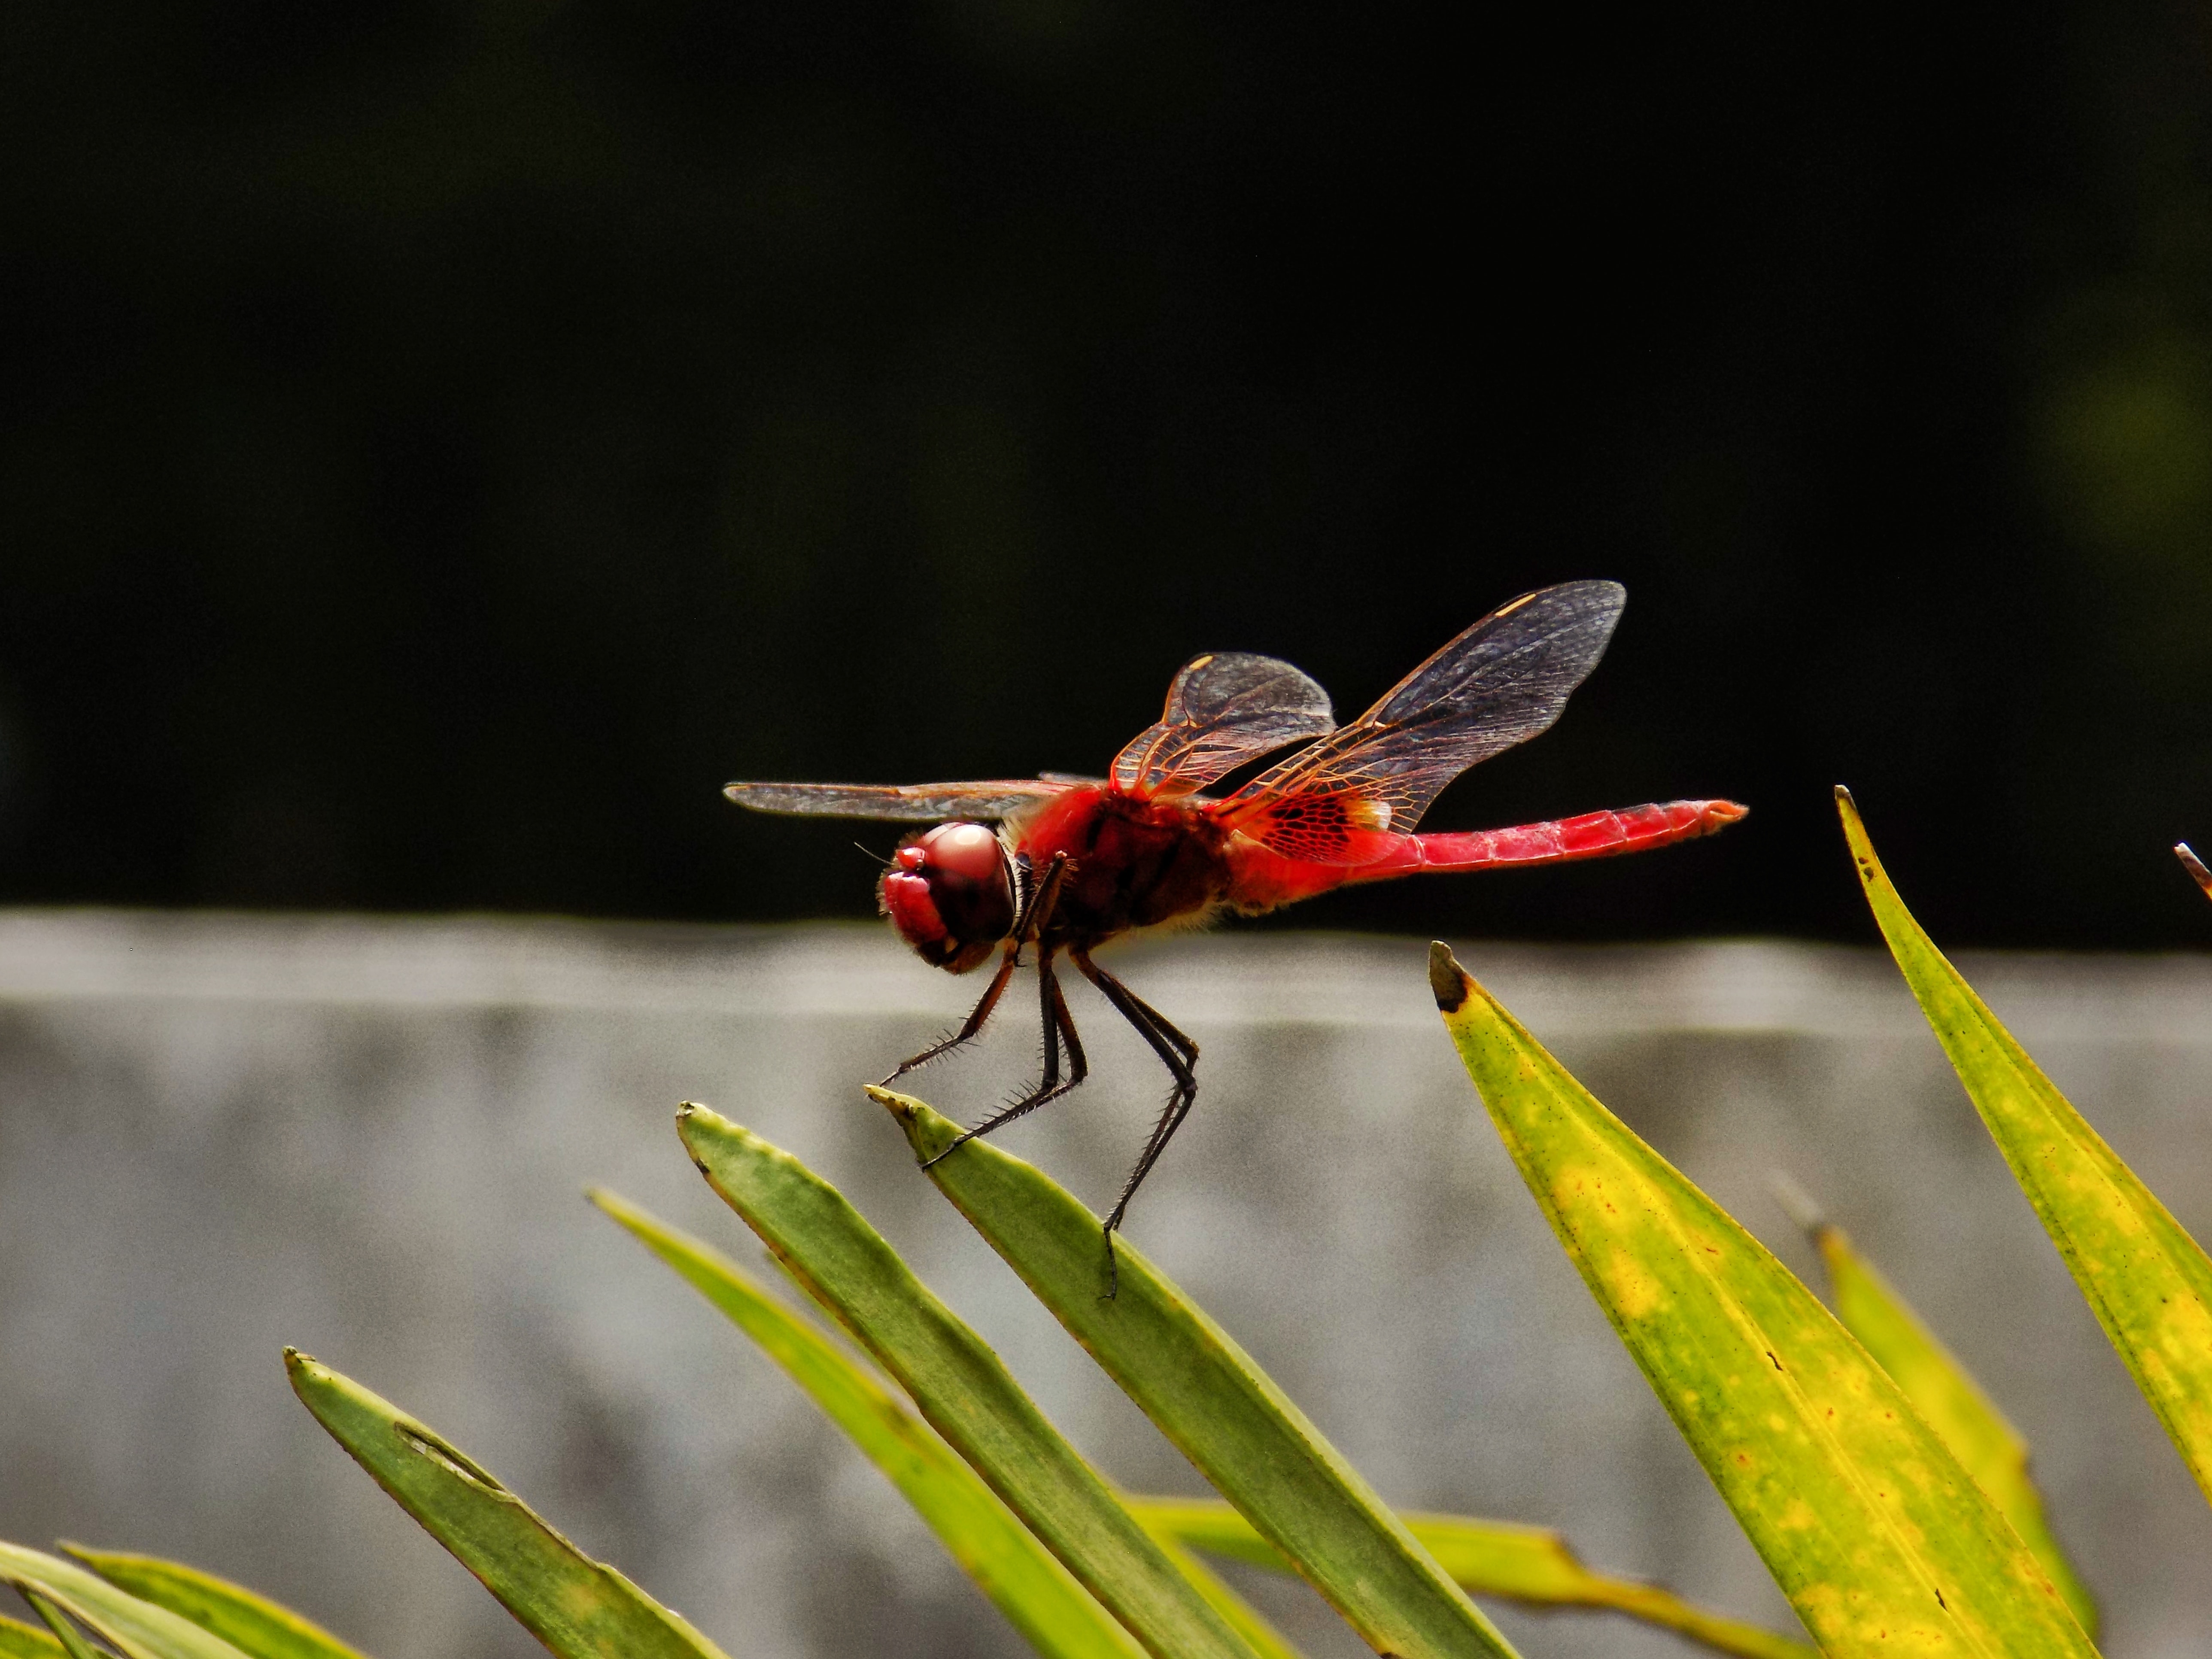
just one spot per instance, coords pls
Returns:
(951, 894)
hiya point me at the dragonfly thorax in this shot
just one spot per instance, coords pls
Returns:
(950, 892)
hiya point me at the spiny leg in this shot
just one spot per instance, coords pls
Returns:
(1187, 1048)
(1059, 1024)
(1007, 962)
(1179, 1054)
(1036, 913)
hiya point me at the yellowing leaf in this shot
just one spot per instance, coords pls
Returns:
(1882, 1541)
(253, 1623)
(1945, 1392)
(2147, 1280)
(1532, 1566)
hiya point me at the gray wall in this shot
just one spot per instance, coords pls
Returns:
(219, 1135)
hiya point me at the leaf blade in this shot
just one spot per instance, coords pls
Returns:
(139, 1629)
(2147, 1280)
(251, 1623)
(1207, 1396)
(1881, 1541)
(960, 1386)
(1532, 1566)
(1946, 1394)
(1038, 1595)
(579, 1608)
(20, 1641)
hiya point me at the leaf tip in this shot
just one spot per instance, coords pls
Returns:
(1798, 1204)
(898, 1105)
(2195, 865)
(1447, 979)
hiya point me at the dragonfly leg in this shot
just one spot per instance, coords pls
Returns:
(1058, 1026)
(1179, 1054)
(1008, 961)
(1037, 912)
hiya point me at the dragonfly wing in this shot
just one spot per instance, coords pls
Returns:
(1501, 683)
(917, 803)
(1224, 708)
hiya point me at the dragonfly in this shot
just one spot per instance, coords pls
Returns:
(1074, 862)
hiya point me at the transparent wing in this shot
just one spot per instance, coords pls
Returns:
(1224, 708)
(917, 803)
(1501, 683)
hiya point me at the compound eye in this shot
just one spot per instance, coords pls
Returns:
(967, 851)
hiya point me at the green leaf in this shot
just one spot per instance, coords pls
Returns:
(578, 1607)
(136, 1629)
(960, 1386)
(1944, 1391)
(21, 1641)
(1206, 1396)
(2147, 1280)
(1882, 1541)
(251, 1623)
(1532, 1566)
(1247, 1620)
(63, 1630)
(1026, 1582)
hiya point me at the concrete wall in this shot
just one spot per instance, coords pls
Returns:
(219, 1135)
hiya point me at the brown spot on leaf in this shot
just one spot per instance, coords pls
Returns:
(1447, 979)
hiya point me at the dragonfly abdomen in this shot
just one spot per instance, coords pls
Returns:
(1592, 835)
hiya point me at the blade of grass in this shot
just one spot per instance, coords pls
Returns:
(1038, 1595)
(1881, 1541)
(137, 1628)
(1247, 1620)
(1941, 1389)
(2148, 1281)
(960, 1386)
(63, 1630)
(578, 1607)
(1532, 1566)
(21, 1641)
(1206, 1396)
(251, 1623)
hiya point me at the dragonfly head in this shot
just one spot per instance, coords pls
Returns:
(950, 894)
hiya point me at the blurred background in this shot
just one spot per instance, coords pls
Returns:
(444, 443)
(440, 444)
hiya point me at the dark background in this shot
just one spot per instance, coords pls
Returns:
(443, 444)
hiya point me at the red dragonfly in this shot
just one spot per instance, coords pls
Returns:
(1077, 861)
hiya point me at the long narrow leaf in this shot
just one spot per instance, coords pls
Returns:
(2148, 1281)
(61, 1627)
(578, 1607)
(960, 1386)
(1023, 1578)
(136, 1629)
(1532, 1566)
(1208, 1397)
(1944, 1391)
(21, 1641)
(1882, 1541)
(1243, 1617)
(2195, 865)
(253, 1624)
